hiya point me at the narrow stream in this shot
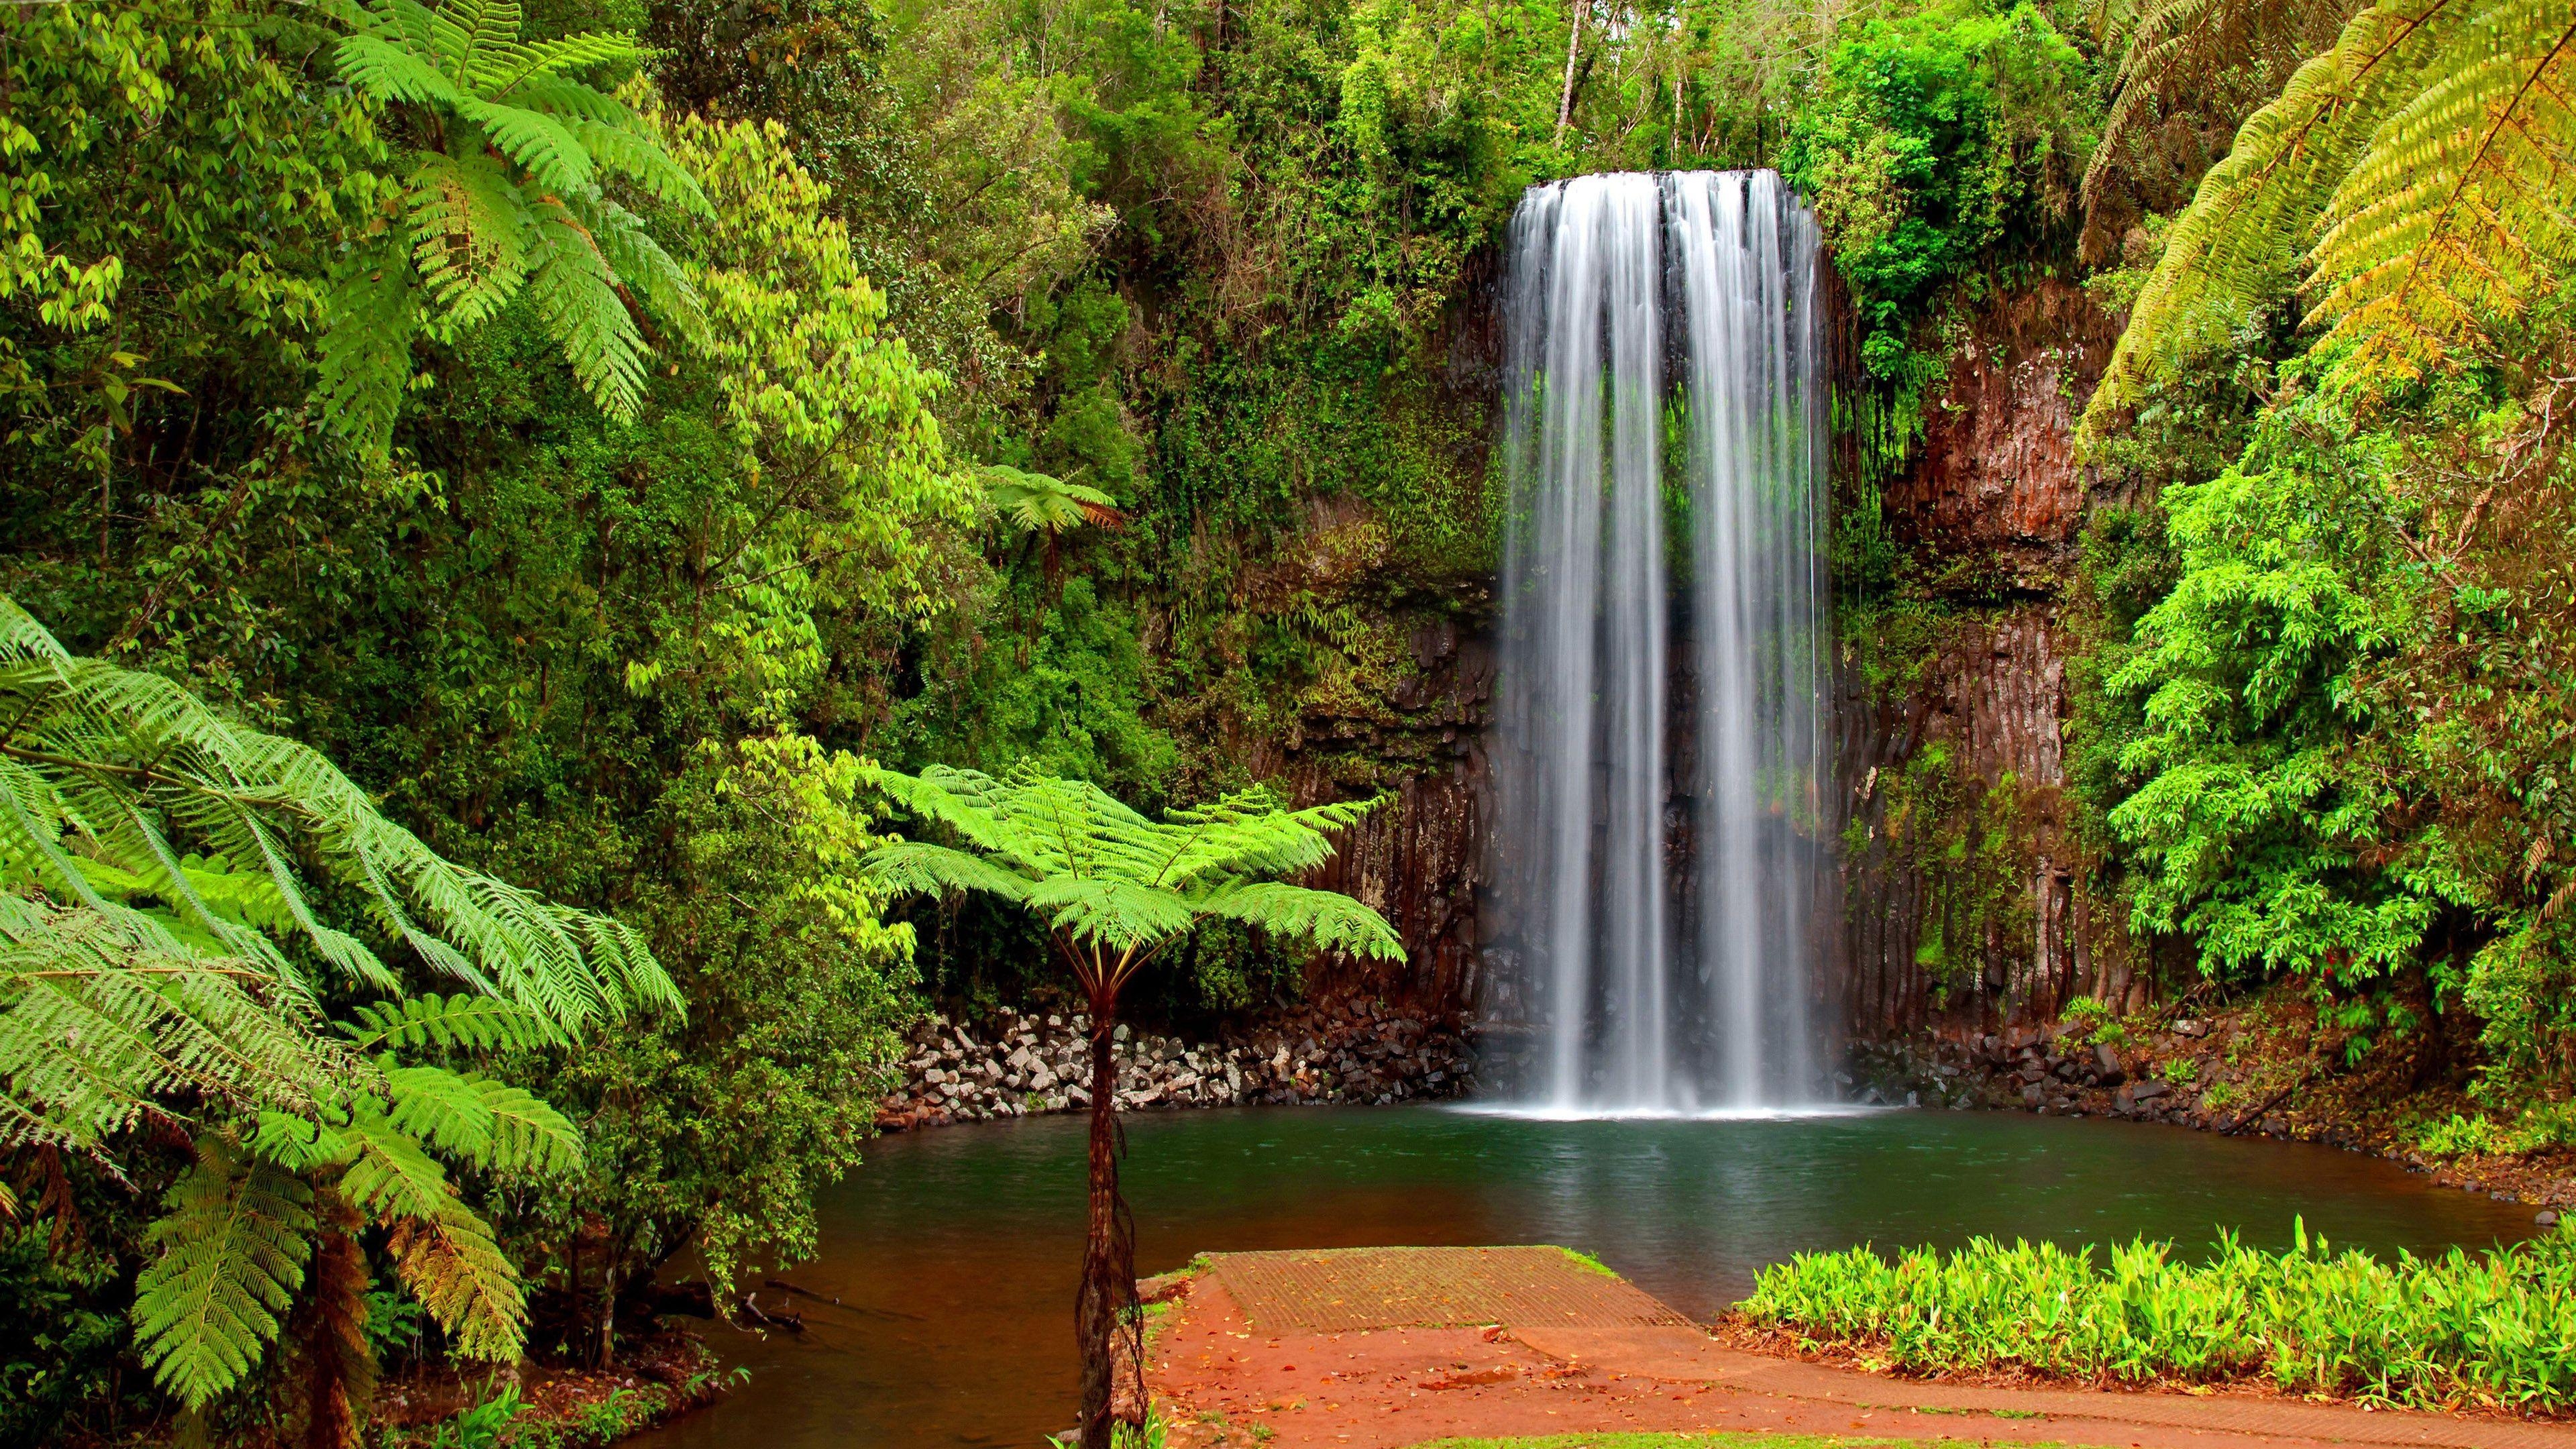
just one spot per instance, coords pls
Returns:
(954, 1250)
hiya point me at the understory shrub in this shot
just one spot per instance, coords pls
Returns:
(2495, 1328)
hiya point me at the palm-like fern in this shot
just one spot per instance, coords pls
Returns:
(1038, 503)
(2190, 65)
(138, 983)
(1116, 889)
(2419, 171)
(507, 198)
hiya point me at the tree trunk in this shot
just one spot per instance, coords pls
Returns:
(1106, 1325)
(1573, 48)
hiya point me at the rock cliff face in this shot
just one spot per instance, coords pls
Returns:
(1963, 898)
(1960, 886)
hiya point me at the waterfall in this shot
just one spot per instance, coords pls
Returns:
(1657, 737)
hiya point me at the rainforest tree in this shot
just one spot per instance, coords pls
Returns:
(1117, 890)
(166, 968)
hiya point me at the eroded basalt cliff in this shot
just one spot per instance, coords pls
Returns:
(1964, 899)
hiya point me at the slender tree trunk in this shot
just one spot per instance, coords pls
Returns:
(1573, 48)
(1105, 1324)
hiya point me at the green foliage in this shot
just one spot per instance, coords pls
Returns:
(2540, 1126)
(168, 1007)
(2336, 768)
(2089, 1020)
(2462, 1329)
(1970, 843)
(2410, 171)
(1938, 134)
(509, 192)
(1114, 886)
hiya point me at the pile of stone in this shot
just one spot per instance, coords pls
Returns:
(1017, 1064)
(2047, 1068)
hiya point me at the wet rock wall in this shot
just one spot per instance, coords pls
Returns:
(1963, 885)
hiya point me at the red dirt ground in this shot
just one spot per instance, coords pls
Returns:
(1221, 1383)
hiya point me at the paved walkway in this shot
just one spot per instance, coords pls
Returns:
(1387, 1348)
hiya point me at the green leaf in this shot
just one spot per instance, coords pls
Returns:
(231, 1250)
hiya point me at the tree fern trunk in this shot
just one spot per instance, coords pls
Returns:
(1106, 1324)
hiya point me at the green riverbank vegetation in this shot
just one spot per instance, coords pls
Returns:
(2483, 1329)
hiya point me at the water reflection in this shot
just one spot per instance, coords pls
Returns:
(953, 1251)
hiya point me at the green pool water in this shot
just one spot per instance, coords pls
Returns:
(953, 1251)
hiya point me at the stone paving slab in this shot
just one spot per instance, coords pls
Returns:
(1348, 1289)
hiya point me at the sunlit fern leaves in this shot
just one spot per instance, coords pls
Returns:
(2190, 66)
(161, 961)
(108, 762)
(2463, 209)
(232, 1252)
(460, 1022)
(490, 1124)
(510, 199)
(1109, 880)
(1039, 503)
(102, 1018)
(2415, 179)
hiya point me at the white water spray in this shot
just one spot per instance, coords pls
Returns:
(1657, 862)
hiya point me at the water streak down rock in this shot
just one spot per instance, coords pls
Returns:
(1658, 739)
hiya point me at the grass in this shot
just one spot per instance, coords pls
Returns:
(1587, 1262)
(2494, 1328)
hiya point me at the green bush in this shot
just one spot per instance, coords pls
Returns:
(2488, 1328)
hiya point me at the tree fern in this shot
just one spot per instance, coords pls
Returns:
(110, 759)
(1115, 890)
(160, 959)
(2189, 64)
(2417, 174)
(510, 201)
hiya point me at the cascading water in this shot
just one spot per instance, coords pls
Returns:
(1657, 746)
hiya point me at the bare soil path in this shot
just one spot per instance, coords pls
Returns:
(1382, 1348)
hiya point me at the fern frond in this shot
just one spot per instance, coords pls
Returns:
(100, 1017)
(502, 72)
(390, 71)
(492, 1125)
(1104, 875)
(542, 146)
(914, 868)
(118, 747)
(2189, 60)
(1038, 503)
(639, 262)
(2462, 212)
(576, 299)
(640, 159)
(476, 28)
(569, 100)
(453, 1023)
(2419, 169)
(231, 1251)
(1111, 912)
(1326, 920)
(300, 1144)
(469, 235)
(442, 1252)
(368, 319)
(440, 1109)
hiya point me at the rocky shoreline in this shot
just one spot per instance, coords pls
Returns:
(2221, 1074)
(1021, 1064)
